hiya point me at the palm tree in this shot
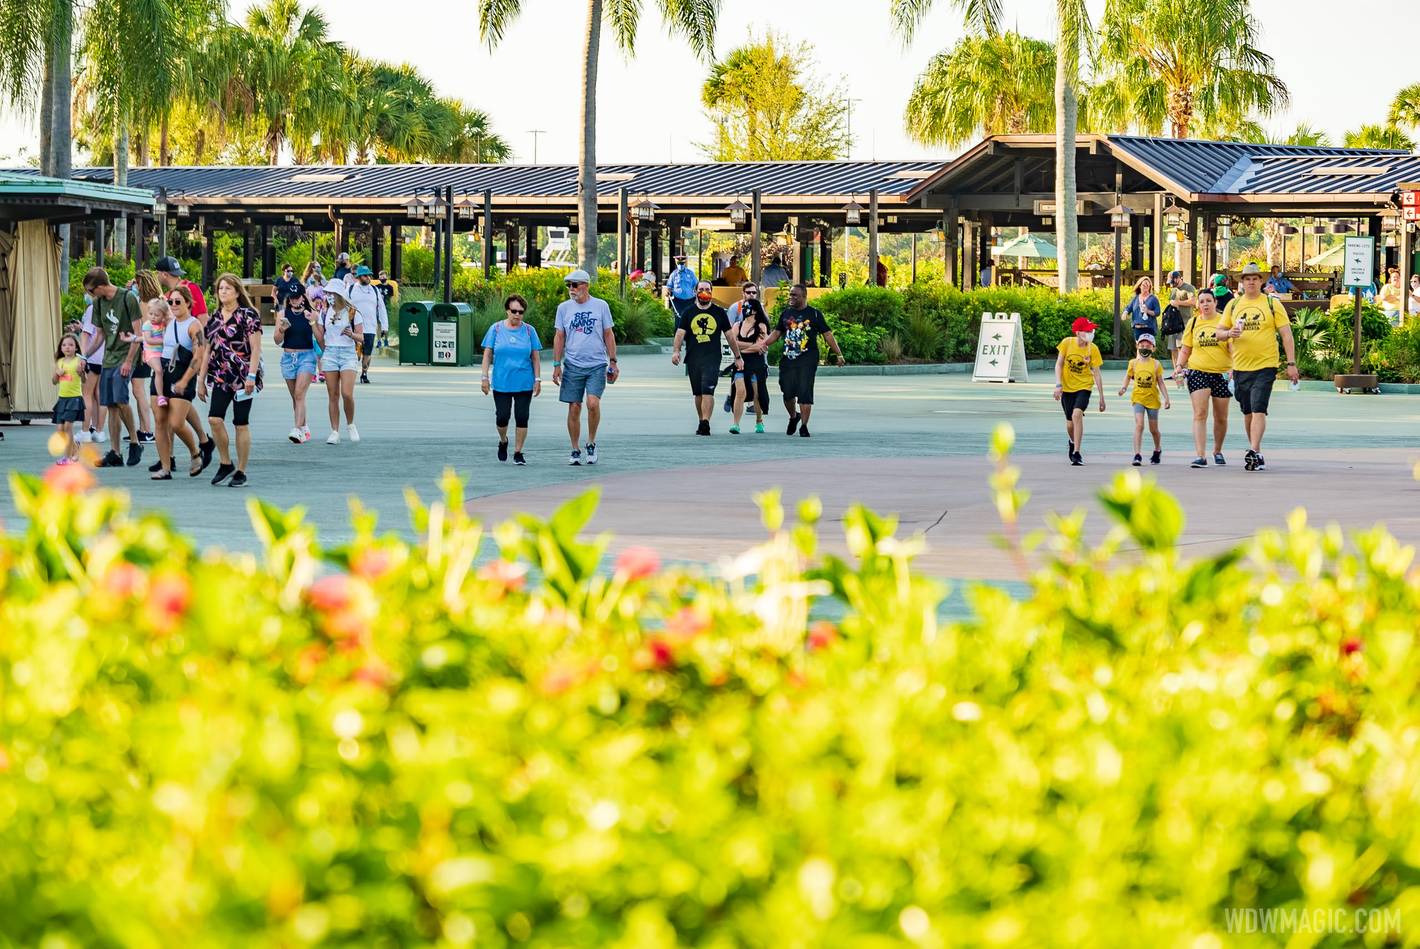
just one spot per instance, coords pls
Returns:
(1072, 27)
(1308, 136)
(694, 19)
(1405, 107)
(288, 61)
(1173, 61)
(1379, 136)
(995, 84)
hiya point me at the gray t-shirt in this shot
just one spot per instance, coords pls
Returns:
(585, 325)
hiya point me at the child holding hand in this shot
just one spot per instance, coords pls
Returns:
(151, 335)
(1147, 374)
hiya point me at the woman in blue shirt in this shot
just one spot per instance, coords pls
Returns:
(512, 348)
(1143, 310)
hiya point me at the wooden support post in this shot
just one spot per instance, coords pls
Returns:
(438, 227)
(248, 250)
(756, 269)
(950, 227)
(1210, 245)
(969, 273)
(873, 237)
(531, 248)
(1402, 240)
(622, 215)
(207, 259)
(488, 234)
(100, 239)
(1156, 241)
(657, 261)
(266, 253)
(510, 246)
(377, 247)
(1118, 317)
(397, 253)
(914, 257)
(825, 255)
(449, 244)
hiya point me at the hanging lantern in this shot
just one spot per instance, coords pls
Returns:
(1173, 216)
(466, 208)
(643, 208)
(852, 212)
(739, 211)
(1119, 217)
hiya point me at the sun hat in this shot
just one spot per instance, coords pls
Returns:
(578, 276)
(363, 271)
(1082, 325)
(337, 289)
(1252, 270)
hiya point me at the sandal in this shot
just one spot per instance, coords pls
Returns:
(197, 466)
(164, 475)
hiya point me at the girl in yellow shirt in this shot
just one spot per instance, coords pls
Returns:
(1147, 374)
(69, 376)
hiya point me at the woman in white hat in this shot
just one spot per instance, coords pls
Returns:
(339, 332)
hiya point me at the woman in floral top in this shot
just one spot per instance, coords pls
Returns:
(232, 370)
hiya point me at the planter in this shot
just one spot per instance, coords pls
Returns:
(1347, 382)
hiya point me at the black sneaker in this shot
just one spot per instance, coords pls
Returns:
(1070, 451)
(208, 449)
(1077, 459)
(1156, 457)
(1250, 460)
(729, 403)
(804, 432)
(156, 466)
(518, 458)
(111, 460)
(1199, 462)
(146, 438)
(502, 451)
(703, 428)
(1138, 460)
(238, 479)
(1260, 464)
(135, 453)
(793, 424)
(223, 473)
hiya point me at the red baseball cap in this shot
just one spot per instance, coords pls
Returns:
(1082, 325)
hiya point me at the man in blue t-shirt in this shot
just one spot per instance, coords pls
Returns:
(583, 360)
(1277, 283)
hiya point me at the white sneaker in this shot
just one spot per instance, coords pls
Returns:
(305, 434)
(295, 436)
(591, 453)
(81, 438)
(353, 433)
(101, 437)
(575, 458)
(334, 439)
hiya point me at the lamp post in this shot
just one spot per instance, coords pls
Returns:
(1118, 221)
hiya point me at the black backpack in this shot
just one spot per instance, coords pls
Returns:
(1173, 320)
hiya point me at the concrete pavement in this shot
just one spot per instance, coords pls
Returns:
(911, 445)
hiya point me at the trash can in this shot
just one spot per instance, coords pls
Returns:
(451, 335)
(414, 332)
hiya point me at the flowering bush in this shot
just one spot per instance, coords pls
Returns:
(401, 743)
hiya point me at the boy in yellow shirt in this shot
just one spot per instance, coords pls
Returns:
(1147, 374)
(1077, 370)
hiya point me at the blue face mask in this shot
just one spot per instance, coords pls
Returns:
(88, 300)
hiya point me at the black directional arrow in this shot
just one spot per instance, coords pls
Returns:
(993, 362)
(997, 336)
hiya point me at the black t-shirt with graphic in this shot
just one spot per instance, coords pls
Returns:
(800, 330)
(703, 329)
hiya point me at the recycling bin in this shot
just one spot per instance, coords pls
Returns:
(414, 331)
(451, 335)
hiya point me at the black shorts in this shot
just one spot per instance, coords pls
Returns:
(796, 379)
(221, 398)
(369, 344)
(517, 405)
(704, 372)
(187, 393)
(69, 408)
(141, 370)
(1070, 401)
(1214, 382)
(1254, 389)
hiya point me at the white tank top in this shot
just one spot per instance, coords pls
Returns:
(177, 332)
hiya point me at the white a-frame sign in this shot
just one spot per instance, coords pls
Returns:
(1000, 351)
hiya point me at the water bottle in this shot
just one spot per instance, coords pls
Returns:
(1296, 386)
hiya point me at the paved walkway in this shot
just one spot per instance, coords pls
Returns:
(910, 445)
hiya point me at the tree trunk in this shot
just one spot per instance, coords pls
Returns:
(199, 145)
(1067, 225)
(120, 177)
(46, 115)
(587, 177)
(61, 118)
(165, 154)
(1272, 240)
(143, 146)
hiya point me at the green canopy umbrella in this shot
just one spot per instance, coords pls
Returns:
(1329, 258)
(1028, 245)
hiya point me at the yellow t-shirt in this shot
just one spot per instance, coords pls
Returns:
(733, 275)
(1148, 377)
(71, 377)
(1077, 375)
(1206, 353)
(1256, 348)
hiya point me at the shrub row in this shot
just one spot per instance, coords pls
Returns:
(387, 744)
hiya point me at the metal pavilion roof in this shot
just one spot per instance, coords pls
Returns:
(29, 189)
(827, 179)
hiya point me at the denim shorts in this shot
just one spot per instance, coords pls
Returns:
(113, 387)
(340, 360)
(1145, 410)
(295, 363)
(579, 382)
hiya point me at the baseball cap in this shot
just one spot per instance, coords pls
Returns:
(362, 271)
(678, 257)
(1175, 273)
(1145, 338)
(1082, 325)
(168, 265)
(343, 256)
(578, 276)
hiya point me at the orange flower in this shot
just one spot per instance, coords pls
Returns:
(559, 679)
(331, 593)
(822, 635)
(501, 573)
(687, 624)
(68, 479)
(637, 563)
(373, 673)
(123, 580)
(168, 600)
(308, 661)
(371, 564)
(656, 654)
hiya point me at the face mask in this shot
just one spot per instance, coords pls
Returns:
(703, 297)
(1146, 353)
(1090, 336)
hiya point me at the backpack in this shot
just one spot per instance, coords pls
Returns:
(1173, 320)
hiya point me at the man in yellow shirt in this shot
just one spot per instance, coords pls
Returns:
(1077, 370)
(1253, 322)
(733, 275)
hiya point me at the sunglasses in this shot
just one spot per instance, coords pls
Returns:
(176, 301)
(751, 293)
(573, 286)
(515, 311)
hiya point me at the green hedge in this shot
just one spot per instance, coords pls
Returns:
(391, 744)
(637, 317)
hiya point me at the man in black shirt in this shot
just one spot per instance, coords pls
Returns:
(800, 328)
(700, 328)
(288, 286)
